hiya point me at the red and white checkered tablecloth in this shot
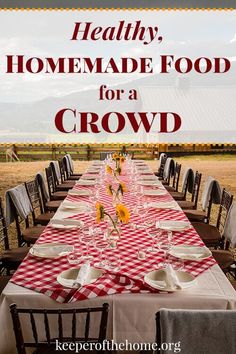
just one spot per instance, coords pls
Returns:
(41, 274)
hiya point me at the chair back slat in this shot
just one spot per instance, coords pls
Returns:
(225, 204)
(73, 330)
(60, 326)
(87, 326)
(33, 327)
(47, 329)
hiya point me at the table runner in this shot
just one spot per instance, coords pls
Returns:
(40, 274)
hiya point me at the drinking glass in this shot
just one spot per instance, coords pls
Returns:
(164, 244)
(113, 261)
(87, 239)
(75, 257)
(153, 232)
(101, 245)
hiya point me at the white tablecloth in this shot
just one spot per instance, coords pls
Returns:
(131, 316)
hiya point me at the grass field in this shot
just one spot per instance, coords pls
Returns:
(222, 167)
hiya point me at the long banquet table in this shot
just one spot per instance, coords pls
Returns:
(132, 313)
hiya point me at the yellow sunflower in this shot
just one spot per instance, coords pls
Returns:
(122, 159)
(114, 156)
(122, 213)
(109, 190)
(109, 169)
(100, 212)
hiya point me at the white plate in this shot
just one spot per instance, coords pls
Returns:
(148, 178)
(192, 253)
(173, 225)
(154, 192)
(93, 170)
(142, 170)
(88, 177)
(65, 224)
(164, 205)
(81, 192)
(78, 207)
(50, 250)
(67, 277)
(149, 183)
(85, 183)
(156, 279)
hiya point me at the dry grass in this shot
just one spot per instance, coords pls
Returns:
(222, 167)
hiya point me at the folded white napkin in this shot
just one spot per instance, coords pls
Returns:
(171, 279)
(190, 251)
(148, 178)
(65, 223)
(173, 225)
(81, 192)
(51, 250)
(88, 177)
(154, 192)
(164, 205)
(149, 183)
(82, 275)
(84, 182)
(77, 207)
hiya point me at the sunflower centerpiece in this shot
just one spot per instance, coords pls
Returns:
(116, 170)
(116, 193)
(122, 216)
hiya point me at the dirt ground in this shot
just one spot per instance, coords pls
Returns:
(222, 167)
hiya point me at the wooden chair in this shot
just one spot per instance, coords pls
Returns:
(69, 176)
(45, 341)
(61, 185)
(10, 259)
(195, 331)
(64, 175)
(27, 232)
(176, 177)
(225, 257)
(187, 186)
(48, 205)
(70, 167)
(38, 213)
(53, 194)
(159, 173)
(192, 205)
(210, 234)
(214, 198)
(168, 172)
